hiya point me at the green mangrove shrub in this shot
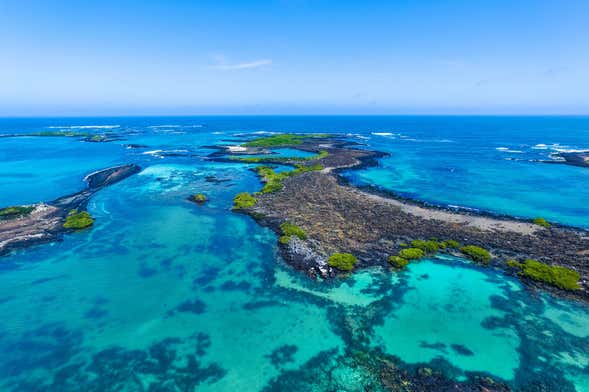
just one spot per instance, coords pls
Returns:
(451, 244)
(283, 139)
(305, 168)
(15, 211)
(514, 264)
(199, 198)
(78, 220)
(555, 275)
(289, 229)
(398, 262)
(430, 246)
(284, 239)
(61, 133)
(342, 261)
(411, 253)
(541, 222)
(476, 253)
(273, 180)
(243, 200)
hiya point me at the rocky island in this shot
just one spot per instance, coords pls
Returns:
(22, 226)
(573, 158)
(320, 217)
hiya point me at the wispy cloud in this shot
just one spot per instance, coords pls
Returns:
(245, 65)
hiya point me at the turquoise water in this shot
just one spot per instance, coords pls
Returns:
(162, 293)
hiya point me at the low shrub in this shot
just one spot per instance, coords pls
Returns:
(61, 133)
(243, 200)
(342, 261)
(451, 244)
(303, 169)
(411, 253)
(426, 246)
(541, 222)
(15, 211)
(78, 220)
(274, 180)
(514, 264)
(555, 275)
(289, 229)
(199, 198)
(476, 253)
(322, 154)
(398, 262)
(283, 139)
(284, 239)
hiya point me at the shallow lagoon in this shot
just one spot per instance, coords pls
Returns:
(163, 291)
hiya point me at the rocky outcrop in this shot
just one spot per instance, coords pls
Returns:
(340, 218)
(572, 158)
(45, 222)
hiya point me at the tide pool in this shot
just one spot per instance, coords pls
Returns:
(442, 315)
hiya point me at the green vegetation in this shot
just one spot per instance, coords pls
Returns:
(303, 169)
(243, 200)
(260, 159)
(15, 211)
(411, 253)
(78, 220)
(284, 239)
(199, 198)
(283, 139)
(342, 261)
(541, 222)
(555, 275)
(61, 133)
(476, 253)
(398, 262)
(288, 229)
(514, 264)
(98, 138)
(451, 244)
(274, 180)
(426, 246)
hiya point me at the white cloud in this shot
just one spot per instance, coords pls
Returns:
(246, 65)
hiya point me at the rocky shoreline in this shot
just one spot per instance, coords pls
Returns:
(45, 221)
(579, 158)
(372, 224)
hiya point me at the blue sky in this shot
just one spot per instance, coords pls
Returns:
(293, 56)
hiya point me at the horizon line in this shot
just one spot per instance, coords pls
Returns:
(301, 115)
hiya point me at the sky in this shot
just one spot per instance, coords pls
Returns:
(293, 57)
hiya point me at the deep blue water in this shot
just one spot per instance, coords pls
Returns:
(163, 293)
(476, 162)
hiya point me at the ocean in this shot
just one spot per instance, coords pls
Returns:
(163, 294)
